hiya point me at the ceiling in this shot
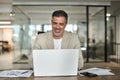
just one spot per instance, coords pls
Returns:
(60, 2)
(39, 11)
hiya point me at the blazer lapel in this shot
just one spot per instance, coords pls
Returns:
(65, 41)
(49, 42)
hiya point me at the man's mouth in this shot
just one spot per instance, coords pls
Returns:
(57, 30)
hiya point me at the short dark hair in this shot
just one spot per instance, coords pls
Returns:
(59, 13)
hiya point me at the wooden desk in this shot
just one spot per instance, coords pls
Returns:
(114, 67)
(4, 46)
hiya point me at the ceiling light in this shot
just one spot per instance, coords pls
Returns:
(108, 14)
(5, 22)
(107, 18)
(12, 14)
(10, 26)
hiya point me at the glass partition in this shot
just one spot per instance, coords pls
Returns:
(22, 38)
(96, 34)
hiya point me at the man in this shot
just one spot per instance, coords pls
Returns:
(58, 38)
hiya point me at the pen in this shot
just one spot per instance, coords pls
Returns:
(24, 72)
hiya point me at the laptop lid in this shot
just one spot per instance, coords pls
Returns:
(55, 62)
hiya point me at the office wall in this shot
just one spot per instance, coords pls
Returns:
(0, 33)
(115, 7)
(118, 37)
(6, 34)
(115, 12)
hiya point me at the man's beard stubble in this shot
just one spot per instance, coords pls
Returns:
(57, 34)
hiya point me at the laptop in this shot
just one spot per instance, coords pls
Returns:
(55, 62)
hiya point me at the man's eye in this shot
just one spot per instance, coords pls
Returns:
(54, 23)
(62, 24)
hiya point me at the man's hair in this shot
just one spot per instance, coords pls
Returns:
(60, 13)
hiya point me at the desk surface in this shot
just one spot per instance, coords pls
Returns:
(115, 68)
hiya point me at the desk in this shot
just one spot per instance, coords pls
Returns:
(114, 67)
(4, 46)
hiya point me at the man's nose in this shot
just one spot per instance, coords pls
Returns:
(58, 26)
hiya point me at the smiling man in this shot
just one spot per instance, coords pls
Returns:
(58, 38)
(59, 22)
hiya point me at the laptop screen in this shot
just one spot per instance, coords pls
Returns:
(55, 62)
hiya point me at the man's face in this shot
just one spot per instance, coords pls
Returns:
(58, 26)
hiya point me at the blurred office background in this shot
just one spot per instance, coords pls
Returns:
(95, 22)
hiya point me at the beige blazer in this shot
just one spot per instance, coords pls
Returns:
(69, 41)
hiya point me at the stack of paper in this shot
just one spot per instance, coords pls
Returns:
(97, 71)
(16, 73)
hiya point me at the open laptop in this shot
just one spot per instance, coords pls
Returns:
(55, 62)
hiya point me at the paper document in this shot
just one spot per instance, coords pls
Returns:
(97, 71)
(16, 73)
